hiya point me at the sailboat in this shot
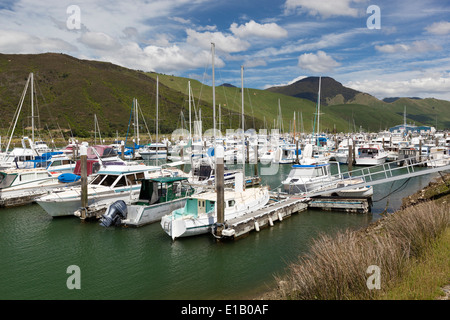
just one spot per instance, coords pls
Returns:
(156, 150)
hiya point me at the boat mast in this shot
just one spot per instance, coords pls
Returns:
(157, 140)
(190, 121)
(32, 108)
(214, 94)
(242, 116)
(318, 111)
(22, 98)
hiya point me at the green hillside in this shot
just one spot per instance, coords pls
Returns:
(70, 91)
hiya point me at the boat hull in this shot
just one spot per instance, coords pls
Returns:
(139, 215)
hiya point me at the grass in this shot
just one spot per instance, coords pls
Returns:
(426, 275)
(335, 268)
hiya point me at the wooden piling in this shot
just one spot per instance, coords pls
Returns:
(84, 191)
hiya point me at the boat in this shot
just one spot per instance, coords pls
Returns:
(154, 151)
(371, 154)
(157, 197)
(60, 163)
(17, 157)
(22, 186)
(356, 192)
(110, 183)
(439, 156)
(308, 177)
(199, 214)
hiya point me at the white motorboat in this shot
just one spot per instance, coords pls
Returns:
(110, 183)
(157, 197)
(22, 186)
(199, 214)
(153, 151)
(439, 156)
(306, 178)
(371, 154)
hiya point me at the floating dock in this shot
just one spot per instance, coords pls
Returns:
(351, 205)
(277, 210)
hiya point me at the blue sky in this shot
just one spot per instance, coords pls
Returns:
(276, 41)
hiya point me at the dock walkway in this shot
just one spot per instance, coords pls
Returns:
(276, 211)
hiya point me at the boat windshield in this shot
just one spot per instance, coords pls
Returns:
(6, 179)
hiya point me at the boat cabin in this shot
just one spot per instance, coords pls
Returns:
(308, 171)
(163, 189)
(12, 178)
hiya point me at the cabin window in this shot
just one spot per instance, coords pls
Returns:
(231, 203)
(42, 175)
(6, 180)
(122, 182)
(27, 177)
(109, 180)
(98, 179)
(56, 163)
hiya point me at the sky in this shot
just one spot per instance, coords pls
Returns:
(384, 48)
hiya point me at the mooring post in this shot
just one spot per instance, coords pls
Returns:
(84, 192)
(122, 149)
(220, 189)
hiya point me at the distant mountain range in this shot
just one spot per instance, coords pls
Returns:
(70, 92)
(332, 92)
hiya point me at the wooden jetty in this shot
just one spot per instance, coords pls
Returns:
(277, 210)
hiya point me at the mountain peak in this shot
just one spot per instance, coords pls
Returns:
(331, 92)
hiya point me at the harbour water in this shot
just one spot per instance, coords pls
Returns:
(144, 263)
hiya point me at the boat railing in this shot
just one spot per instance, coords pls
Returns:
(400, 169)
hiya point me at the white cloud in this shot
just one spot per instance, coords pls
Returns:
(319, 62)
(223, 42)
(286, 83)
(255, 63)
(439, 28)
(437, 85)
(414, 47)
(99, 41)
(254, 29)
(180, 20)
(324, 8)
(160, 59)
(20, 42)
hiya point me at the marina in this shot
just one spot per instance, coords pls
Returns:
(40, 248)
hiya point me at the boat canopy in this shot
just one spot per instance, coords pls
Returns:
(167, 179)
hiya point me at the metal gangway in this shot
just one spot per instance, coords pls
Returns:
(373, 175)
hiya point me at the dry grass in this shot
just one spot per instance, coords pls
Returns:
(335, 268)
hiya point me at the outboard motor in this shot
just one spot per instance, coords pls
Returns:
(114, 214)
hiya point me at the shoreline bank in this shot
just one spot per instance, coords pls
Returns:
(437, 192)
